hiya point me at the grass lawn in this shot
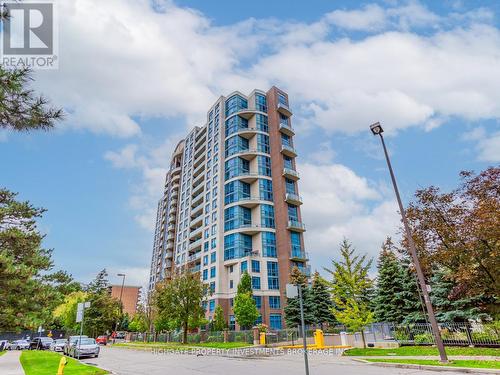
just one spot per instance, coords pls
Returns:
(37, 362)
(454, 363)
(2, 352)
(421, 350)
(179, 346)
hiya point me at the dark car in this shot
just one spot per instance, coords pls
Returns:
(41, 343)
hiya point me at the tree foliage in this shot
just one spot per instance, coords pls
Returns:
(140, 321)
(20, 108)
(321, 301)
(292, 308)
(351, 288)
(179, 301)
(29, 291)
(460, 231)
(245, 309)
(219, 322)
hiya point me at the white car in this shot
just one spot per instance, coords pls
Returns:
(84, 347)
(18, 345)
(70, 342)
(58, 345)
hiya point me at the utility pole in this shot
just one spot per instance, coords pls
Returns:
(292, 291)
(377, 130)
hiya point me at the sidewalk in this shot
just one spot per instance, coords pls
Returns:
(9, 363)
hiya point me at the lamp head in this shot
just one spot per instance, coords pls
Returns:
(120, 274)
(376, 128)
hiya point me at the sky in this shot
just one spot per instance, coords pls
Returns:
(135, 75)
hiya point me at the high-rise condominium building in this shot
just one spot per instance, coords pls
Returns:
(231, 204)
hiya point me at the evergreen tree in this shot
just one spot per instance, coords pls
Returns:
(389, 305)
(99, 284)
(29, 292)
(292, 308)
(321, 301)
(219, 323)
(351, 289)
(413, 309)
(449, 307)
(245, 309)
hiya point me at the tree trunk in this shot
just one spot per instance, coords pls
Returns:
(363, 338)
(185, 333)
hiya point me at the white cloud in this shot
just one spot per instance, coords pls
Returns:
(338, 203)
(487, 145)
(370, 18)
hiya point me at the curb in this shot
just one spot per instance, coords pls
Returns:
(465, 370)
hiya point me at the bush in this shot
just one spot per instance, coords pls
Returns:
(401, 336)
(194, 339)
(424, 338)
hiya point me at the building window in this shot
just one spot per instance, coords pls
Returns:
(284, 120)
(267, 216)
(232, 323)
(275, 321)
(272, 275)
(211, 305)
(244, 266)
(264, 163)
(213, 243)
(205, 274)
(282, 99)
(212, 272)
(205, 260)
(265, 189)
(255, 282)
(290, 186)
(205, 246)
(263, 143)
(269, 244)
(293, 213)
(261, 123)
(236, 144)
(234, 104)
(236, 123)
(274, 302)
(238, 166)
(236, 191)
(260, 103)
(255, 266)
(213, 257)
(286, 140)
(237, 245)
(231, 284)
(287, 161)
(258, 301)
(237, 217)
(212, 287)
(296, 245)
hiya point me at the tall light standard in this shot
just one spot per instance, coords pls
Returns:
(377, 130)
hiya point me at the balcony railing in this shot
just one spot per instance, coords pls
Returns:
(195, 244)
(284, 109)
(296, 226)
(293, 198)
(288, 150)
(291, 174)
(196, 268)
(299, 255)
(286, 129)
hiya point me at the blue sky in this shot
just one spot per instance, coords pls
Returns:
(132, 86)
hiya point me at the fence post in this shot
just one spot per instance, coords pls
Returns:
(468, 333)
(226, 335)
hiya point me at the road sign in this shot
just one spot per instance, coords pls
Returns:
(291, 291)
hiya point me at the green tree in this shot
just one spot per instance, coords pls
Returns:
(29, 291)
(100, 283)
(321, 301)
(179, 300)
(410, 294)
(140, 321)
(292, 308)
(451, 306)
(351, 289)
(460, 231)
(391, 303)
(219, 323)
(66, 311)
(245, 309)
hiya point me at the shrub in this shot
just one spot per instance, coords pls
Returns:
(424, 338)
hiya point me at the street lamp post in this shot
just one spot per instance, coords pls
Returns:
(377, 130)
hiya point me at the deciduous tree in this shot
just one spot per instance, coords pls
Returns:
(245, 309)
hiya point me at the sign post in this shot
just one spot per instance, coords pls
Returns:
(293, 291)
(80, 314)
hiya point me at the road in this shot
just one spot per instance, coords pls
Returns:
(133, 362)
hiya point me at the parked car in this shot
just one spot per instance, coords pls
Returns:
(71, 341)
(58, 345)
(84, 347)
(120, 335)
(102, 340)
(17, 345)
(41, 343)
